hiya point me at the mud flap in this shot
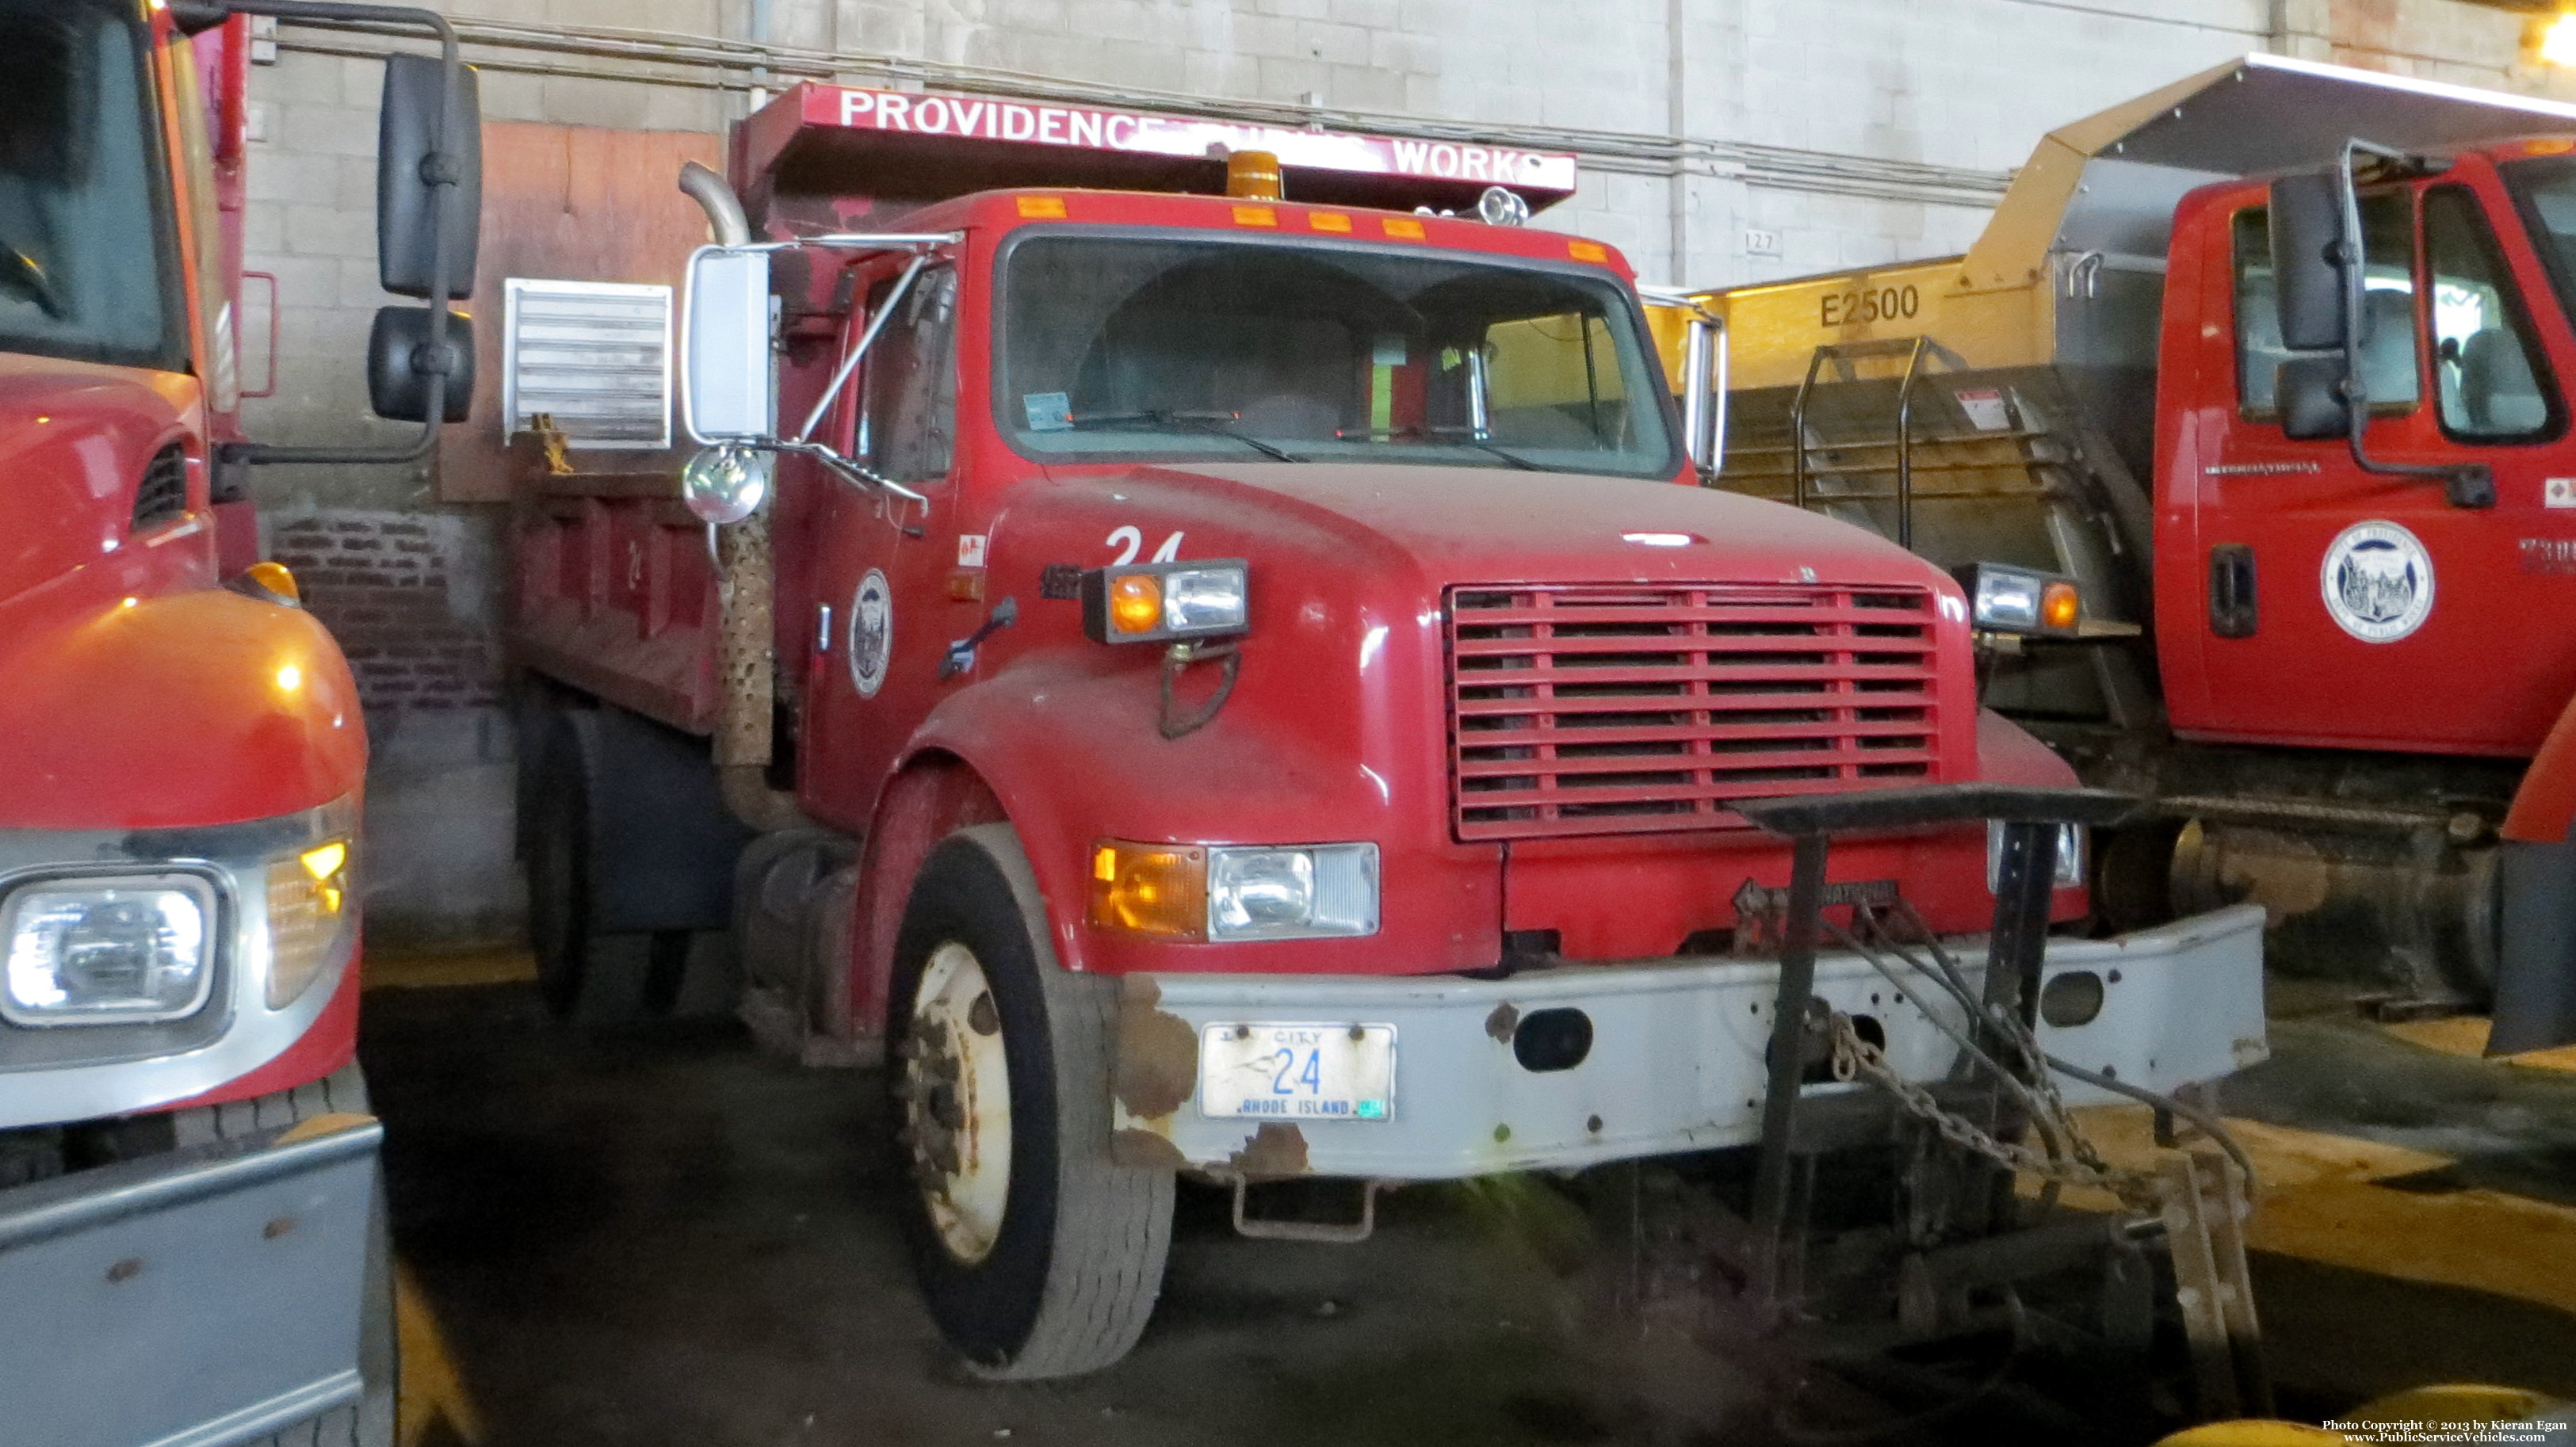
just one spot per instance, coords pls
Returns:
(2535, 990)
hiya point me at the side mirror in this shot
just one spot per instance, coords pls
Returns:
(1704, 394)
(2309, 254)
(401, 359)
(409, 154)
(2310, 393)
(724, 485)
(726, 390)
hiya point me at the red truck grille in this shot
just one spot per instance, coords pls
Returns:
(1615, 709)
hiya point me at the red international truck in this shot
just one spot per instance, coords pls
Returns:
(1211, 681)
(2335, 655)
(192, 1242)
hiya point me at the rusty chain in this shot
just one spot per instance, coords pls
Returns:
(1854, 1057)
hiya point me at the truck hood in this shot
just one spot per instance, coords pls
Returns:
(74, 440)
(1478, 525)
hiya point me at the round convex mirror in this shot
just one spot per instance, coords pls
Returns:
(725, 484)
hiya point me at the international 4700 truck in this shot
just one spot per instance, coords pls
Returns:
(192, 1240)
(1202, 675)
(2326, 624)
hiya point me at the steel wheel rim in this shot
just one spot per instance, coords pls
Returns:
(956, 1094)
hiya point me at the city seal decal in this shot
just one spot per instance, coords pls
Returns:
(871, 633)
(2378, 582)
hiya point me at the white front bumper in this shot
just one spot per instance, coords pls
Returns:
(1676, 1062)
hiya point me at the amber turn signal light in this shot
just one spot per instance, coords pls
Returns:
(1136, 603)
(2060, 607)
(1156, 890)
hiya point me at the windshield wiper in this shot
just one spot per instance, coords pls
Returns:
(29, 275)
(1436, 434)
(1164, 420)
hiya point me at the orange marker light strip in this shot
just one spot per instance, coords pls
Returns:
(1587, 251)
(1042, 208)
(1329, 221)
(1255, 216)
(1158, 890)
(1404, 227)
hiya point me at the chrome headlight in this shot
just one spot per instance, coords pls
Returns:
(1316, 891)
(121, 950)
(1166, 602)
(2070, 855)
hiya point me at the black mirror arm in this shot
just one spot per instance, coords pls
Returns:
(2464, 484)
(438, 170)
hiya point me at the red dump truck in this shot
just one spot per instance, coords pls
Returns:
(1219, 676)
(192, 1243)
(2329, 640)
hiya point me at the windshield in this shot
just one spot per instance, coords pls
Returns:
(1133, 348)
(83, 234)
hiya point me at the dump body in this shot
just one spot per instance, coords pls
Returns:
(2089, 392)
(179, 810)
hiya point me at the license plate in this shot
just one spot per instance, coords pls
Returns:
(1298, 1072)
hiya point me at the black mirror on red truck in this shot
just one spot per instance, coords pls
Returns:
(2310, 394)
(429, 202)
(414, 162)
(2309, 253)
(2320, 268)
(403, 357)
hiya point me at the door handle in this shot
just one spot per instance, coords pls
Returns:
(2231, 590)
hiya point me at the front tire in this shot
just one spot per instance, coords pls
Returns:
(1039, 1255)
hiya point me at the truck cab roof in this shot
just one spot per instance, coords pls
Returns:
(1058, 206)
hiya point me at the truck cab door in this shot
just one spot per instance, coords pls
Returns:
(883, 621)
(2345, 608)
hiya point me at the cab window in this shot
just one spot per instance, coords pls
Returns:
(2388, 370)
(2486, 364)
(908, 423)
(88, 267)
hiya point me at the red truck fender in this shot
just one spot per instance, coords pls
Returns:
(935, 794)
(2535, 986)
(191, 708)
(2545, 805)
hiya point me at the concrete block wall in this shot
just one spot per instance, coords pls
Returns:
(1962, 86)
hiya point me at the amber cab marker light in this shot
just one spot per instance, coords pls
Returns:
(1156, 890)
(275, 579)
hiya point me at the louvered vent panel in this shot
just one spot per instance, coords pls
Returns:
(596, 356)
(163, 494)
(1641, 709)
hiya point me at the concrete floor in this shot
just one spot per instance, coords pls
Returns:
(669, 1239)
